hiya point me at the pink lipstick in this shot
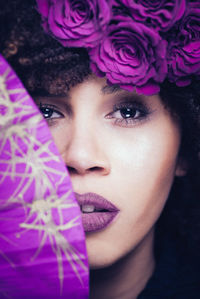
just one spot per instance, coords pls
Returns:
(97, 212)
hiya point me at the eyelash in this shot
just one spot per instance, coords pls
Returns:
(136, 113)
(51, 109)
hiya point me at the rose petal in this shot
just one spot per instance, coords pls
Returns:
(76, 24)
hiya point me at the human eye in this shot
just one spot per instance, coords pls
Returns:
(126, 114)
(50, 112)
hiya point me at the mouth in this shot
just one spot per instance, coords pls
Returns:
(97, 212)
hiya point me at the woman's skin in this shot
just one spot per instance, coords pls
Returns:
(124, 147)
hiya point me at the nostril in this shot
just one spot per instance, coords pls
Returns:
(71, 169)
(95, 168)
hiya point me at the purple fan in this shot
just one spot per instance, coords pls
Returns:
(42, 244)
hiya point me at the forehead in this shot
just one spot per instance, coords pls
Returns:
(97, 89)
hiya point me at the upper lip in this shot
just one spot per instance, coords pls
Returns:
(95, 200)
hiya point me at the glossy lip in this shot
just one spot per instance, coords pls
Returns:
(96, 221)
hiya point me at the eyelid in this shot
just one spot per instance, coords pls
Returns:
(138, 105)
(131, 104)
(51, 106)
(47, 105)
(63, 106)
(51, 120)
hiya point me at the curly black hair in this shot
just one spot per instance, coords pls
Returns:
(47, 68)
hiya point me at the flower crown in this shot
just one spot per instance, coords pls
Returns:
(136, 44)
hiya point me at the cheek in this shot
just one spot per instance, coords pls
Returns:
(59, 133)
(143, 167)
(146, 161)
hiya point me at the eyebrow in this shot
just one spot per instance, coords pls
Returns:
(109, 89)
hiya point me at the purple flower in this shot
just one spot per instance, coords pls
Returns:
(184, 47)
(184, 62)
(75, 23)
(189, 27)
(132, 56)
(160, 14)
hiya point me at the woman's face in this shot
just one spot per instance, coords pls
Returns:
(123, 147)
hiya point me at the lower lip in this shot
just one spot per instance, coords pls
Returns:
(96, 221)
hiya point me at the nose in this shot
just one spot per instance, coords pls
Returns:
(85, 153)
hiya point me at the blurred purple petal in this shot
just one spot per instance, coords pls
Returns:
(42, 243)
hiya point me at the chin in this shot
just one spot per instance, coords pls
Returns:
(101, 257)
(100, 263)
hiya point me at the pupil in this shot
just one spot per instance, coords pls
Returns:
(127, 113)
(47, 112)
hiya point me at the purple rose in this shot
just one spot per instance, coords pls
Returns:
(189, 27)
(132, 56)
(160, 14)
(75, 23)
(184, 62)
(184, 47)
